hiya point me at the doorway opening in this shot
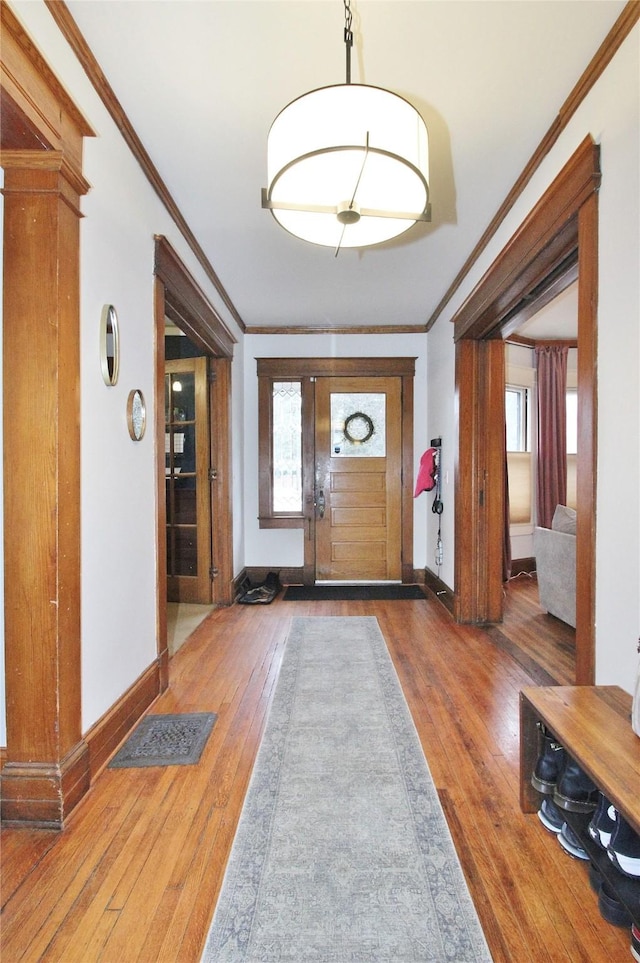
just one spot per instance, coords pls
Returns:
(337, 462)
(556, 243)
(195, 524)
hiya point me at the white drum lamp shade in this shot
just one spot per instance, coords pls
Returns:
(348, 166)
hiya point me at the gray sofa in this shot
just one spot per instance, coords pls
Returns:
(555, 552)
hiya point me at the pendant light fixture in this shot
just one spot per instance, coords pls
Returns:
(348, 165)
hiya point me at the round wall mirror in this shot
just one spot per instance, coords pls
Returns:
(109, 344)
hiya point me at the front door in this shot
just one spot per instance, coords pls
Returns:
(188, 486)
(358, 479)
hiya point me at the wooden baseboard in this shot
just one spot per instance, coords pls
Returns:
(287, 576)
(522, 566)
(295, 576)
(110, 731)
(441, 591)
(42, 794)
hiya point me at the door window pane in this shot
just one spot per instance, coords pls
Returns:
(180, 471)
(358, 425)
(287, 446)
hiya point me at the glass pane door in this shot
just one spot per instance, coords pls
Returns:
(187, 481)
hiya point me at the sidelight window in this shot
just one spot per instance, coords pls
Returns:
(286, 400)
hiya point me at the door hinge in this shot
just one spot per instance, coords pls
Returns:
(213, 572)
(212, 375)
(213, 474)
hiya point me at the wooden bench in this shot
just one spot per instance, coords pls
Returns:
(593, 723)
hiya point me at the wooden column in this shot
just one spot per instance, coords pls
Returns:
(479, 480)
(47, 764)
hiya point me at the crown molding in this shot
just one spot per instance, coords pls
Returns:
(605, 54)
(71, 32)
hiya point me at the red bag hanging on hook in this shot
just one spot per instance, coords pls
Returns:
(426, 479)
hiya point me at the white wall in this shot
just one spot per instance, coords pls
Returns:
(441, 423)
(281, 548)
(118, 498)
(610, 113)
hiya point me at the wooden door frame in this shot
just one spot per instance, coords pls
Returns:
(327, 471)
(404, 368)
(197, 588)
(178, 297)
(560, 231)
(46, 766)
(306, 369)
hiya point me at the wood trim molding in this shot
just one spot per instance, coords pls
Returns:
(187, 306)
(603, 57)
(587, 458)
(222, 488)
(440, 589)
(72, 34)
(283, 368)
(42, 794)
(46, 764)
(106, 735)
(51, 115)
(303, 370)
(480, 474)
(547, 241)
(570, 207)
(406, 538)
(328, 329)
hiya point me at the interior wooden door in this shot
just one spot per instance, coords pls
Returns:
(188, 487)
(358, 479)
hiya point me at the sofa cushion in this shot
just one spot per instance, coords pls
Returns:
(564, 520)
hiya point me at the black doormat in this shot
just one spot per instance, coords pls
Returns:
(351, 593)
(170, 740)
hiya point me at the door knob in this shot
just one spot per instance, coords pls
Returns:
(320, 504)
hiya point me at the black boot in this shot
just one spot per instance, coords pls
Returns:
(574, 791)
(547, 768)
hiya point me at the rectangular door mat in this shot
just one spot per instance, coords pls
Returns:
(342, 593)
(166, 740)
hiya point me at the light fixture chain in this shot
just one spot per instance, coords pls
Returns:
(348, 35)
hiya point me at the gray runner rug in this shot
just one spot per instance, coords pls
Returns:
(342, 853)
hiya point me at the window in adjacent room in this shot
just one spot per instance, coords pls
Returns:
(572, 444)
(519, 465)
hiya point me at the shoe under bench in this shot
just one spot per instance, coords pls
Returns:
(593, 723)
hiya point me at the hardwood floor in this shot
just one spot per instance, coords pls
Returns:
(136, 873)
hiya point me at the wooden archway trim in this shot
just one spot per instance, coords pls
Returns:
(563, 224)
(46, 766)
(178, 297)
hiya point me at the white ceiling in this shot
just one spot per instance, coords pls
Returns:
(202, 80)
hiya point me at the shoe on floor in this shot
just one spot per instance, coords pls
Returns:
(624, 848)
(571, 844)
(603, 822)
(596, 878)
(635, 942)
(550, 816)
(611, 909)
(575, 791)
(549, 763)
